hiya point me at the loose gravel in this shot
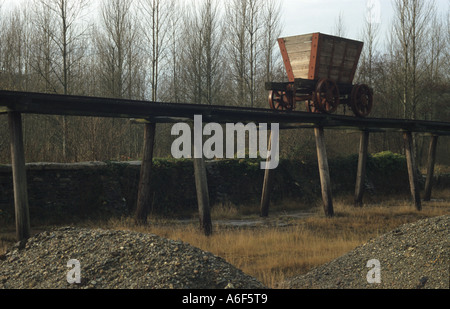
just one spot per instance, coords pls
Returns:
(116, 260)
(413, 256)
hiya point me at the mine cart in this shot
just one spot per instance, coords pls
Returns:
(320, 69)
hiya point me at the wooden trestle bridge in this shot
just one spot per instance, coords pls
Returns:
(17, 103)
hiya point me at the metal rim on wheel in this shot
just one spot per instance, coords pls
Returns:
(361, 100)
(326, 96)
(274, 99)
(279, 100)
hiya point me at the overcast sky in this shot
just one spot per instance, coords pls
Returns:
(307, 16)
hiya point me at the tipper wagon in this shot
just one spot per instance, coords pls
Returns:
(320, 69)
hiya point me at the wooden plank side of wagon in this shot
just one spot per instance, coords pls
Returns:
(298, 43)
(317, 55)
(300, 64)
(338, 58)
(296, 52)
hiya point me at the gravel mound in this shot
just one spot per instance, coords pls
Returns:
(413, 256)
(116, 260)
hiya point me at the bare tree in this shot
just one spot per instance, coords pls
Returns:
(411, 30)
(59, 25)
(1, 34)
(370, 37)
(156, 18)
(174, 92)
(43, 46)
(254, 28)
(119, 72)
(67, 15)
(339, 26)
(272, 30)
(433, 75)
(202, 55)
(114, 40)
(244, 27)
(14, 51)
(213, 46)
(192, 55)
(236, 11)
(412, 38)
(3, 127)
(447, 43)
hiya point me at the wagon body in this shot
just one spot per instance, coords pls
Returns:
(316, 55)
(320, 69)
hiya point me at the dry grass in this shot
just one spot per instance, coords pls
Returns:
(275, 253)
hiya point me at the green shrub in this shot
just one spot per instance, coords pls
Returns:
(388, 172)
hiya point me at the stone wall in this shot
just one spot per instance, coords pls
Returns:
(84, 190)
(80, 190)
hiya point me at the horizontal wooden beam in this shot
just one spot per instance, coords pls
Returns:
(157, 112)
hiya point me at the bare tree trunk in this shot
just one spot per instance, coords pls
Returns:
(411, 30)
(156, 16)
(272, 31)
(339, 27)
(64, 14)
(203, 57)
(413, 20)
(245, 23)
(370, 38)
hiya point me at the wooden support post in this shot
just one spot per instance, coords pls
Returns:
(430, 169)
(19, 177)
(361, 173)
(144, 200)
(412, 171)
(201, 180)
(267, 185)
(201, 184)
(324, 172)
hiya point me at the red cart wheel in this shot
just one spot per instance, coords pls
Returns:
(361, 100)
(326, 96)
(279, 100)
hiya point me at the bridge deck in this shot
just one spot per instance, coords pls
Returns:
(52, 104)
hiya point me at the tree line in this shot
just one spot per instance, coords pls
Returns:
(202, 52)
(410, 74)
